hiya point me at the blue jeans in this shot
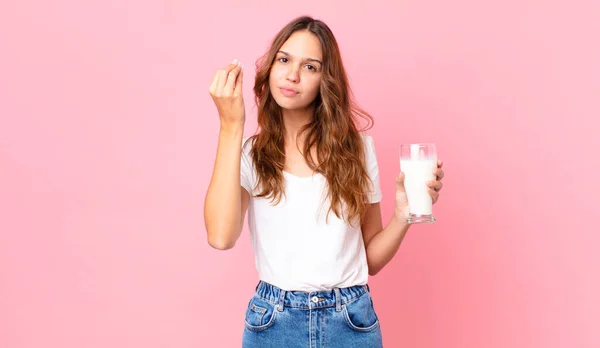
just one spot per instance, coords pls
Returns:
(339, 318)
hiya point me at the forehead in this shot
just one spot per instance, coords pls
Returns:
(303, 44)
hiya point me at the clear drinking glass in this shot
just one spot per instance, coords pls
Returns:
(418, 162)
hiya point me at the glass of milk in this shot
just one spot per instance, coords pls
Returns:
(418, 162)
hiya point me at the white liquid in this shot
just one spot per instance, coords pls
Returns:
(416, 175)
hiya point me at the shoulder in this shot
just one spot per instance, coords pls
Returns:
(368, 141)
(365, 136)
(247, 145)
(247, 141)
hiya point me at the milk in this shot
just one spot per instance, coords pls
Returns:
(416, 174)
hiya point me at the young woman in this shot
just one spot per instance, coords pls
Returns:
(310, 182)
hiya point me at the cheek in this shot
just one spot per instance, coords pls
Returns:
(314, 87)
(272, 79)
(275, 75)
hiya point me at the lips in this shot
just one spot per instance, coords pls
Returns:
(288, 92)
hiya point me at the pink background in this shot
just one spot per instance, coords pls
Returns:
(108, 136)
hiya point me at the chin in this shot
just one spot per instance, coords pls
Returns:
(287, 104)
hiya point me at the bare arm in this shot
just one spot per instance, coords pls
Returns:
(381, 243)
(226, 200)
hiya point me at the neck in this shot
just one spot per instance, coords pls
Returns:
(294, 120)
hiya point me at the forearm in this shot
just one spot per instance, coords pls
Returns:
(222, 215)
(384, 245)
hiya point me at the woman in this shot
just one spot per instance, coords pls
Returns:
(310, 182)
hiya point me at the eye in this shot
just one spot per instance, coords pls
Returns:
(282, 60)
(311, 67)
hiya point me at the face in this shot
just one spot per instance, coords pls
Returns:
(296, 72)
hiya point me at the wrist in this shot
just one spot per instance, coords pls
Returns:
(400, 219)
(232, 127)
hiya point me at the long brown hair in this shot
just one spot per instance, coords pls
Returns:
(333, 131)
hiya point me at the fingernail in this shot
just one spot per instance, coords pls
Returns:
(235, 61)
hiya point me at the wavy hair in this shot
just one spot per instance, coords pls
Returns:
(333, 130)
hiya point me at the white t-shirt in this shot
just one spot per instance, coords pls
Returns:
(294, 248)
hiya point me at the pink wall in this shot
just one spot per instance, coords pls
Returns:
(108, 134)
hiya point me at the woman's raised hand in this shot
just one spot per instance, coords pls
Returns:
(226, 92)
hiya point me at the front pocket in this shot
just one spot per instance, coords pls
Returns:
(360, 314)
(260, 314)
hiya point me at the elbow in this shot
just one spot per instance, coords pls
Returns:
(220, 237)
(220, 240)
(373, 271)
(221, 244)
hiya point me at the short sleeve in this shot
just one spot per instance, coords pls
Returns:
(246, 168)
(372, 169)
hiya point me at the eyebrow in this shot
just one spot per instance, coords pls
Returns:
(307, 59)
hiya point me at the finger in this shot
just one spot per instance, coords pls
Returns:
(440, 163)
(238, 83)
(231, 66)
(231, 79)
(214, 83)
(221, 79)
(435, 185)
(439, 174)
(434, 195)
(223, 76)
(400, 182)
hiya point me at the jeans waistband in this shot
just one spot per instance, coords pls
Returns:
(309, 300)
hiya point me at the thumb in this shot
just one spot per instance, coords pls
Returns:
(400, 183)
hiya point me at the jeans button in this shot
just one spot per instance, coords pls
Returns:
(315, 299)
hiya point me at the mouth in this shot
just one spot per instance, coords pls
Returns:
(288, 92)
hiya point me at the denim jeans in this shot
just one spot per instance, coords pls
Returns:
(339, 318)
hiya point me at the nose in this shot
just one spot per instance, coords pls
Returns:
(293, 73)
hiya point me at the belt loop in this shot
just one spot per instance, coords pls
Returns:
(281, 300)
(338, 299)
(368, 288)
